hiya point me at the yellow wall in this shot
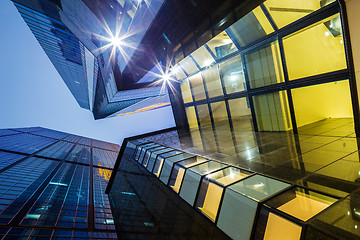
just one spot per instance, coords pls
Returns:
(314, 51)
(329, 100)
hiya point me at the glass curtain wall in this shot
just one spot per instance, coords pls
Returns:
(281, 67)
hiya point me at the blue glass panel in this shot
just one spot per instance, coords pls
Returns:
(7, 159)
(19, 183)
(25, 143)
(103, 216)
(64, 201)
(104, 158)
(80, 154)
(58, 150)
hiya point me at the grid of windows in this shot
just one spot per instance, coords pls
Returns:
(72, 138)
(80, 154)
(36, 233)
(64, 201)
(105, 145)
(25, 143)
(51, 134)
(6, 159)
(4, 132)
(42, 195)
(64, 50)
(104, 158)
(262, 60)
(19, 183)
(59, 150)
(85, 141)
(103, 216)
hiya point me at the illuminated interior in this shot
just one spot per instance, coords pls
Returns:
(255, 67)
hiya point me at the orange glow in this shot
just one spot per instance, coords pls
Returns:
(104, 173)
(151, 107)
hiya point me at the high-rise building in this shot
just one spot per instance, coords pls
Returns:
(266, 104)
(52, 185)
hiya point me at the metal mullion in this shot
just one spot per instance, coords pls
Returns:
(210, 112)
(310, 19)
(148, 151)
(211, 53)
(269, 17)
(196, 111)
(33, 198)
(350, 66)
(172, 169)
(251, 103)
(164, 159)
(288, 91)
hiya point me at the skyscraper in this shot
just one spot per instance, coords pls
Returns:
(53, 185)
(265, 100)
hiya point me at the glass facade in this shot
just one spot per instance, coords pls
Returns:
(272, 67)
(52, 188)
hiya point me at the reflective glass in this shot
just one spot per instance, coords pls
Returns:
(232, 73)
(204, 115)
(210, 193)
(317, 103)
(301, 203)
(203, 57)
(191, 117)
(188, 65)
(178, 72)
(251, 27)
(264, 66)
(287, 11)
(178, 172)
(222, 45)
(160, 161)
(168, 165)
(219, 111)
(153, 157)
(185, 91)
(272, 112)
(212, 80)
(239, 108)
(197, 86)
(315, 50)
(258, 187)
(192, 178)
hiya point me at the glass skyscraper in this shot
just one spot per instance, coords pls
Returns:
(265, 99)
(53, 185)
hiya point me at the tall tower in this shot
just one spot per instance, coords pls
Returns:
(53, 185)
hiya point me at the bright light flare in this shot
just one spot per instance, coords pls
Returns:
(116, 42)
(166, 77)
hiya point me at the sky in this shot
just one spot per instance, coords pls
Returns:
(32, 93)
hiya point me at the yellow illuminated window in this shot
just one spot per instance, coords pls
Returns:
(204, 115)
(239, 108)
(319, 102)
(197, 86)
(221, 45)
(185, 91)
(219, 112)
(203, 57)
(191, 117)
(212, 79)
(315, 50)
(233, 75)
